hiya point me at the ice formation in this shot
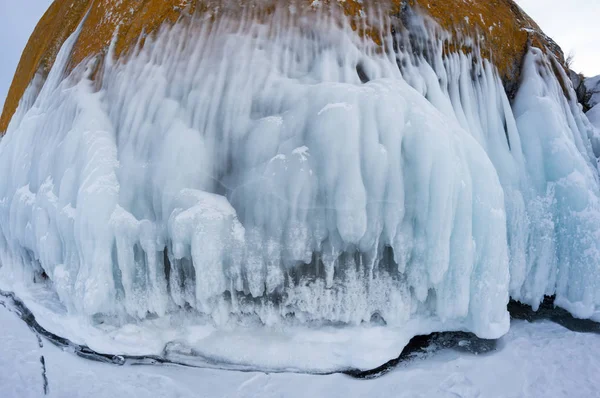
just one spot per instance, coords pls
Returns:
(592, 85)
(293, 172)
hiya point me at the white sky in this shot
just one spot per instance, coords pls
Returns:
(17, 21)
(573, 24)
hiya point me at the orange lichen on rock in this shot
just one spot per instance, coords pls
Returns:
(128, 18)
(502, 30)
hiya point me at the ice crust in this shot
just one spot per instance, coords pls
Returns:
(247, 171)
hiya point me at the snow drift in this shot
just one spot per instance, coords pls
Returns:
(280, 173)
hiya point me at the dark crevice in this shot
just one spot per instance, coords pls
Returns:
(506, 133)
(167, 267)
(44, 375)
(548, 311)
(362, 74)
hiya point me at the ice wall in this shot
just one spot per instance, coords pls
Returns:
(291, 171)
(592, 86)
(561, 148)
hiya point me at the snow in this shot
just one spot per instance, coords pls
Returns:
(594, 116)
(593, 86)
(238, 193)
(533, 360)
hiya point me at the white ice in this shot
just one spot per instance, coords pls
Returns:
(593, 87)
(533, 360)
(295, 178)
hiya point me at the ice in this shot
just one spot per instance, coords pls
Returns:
(594, 116)
(563, 174)
(257, 181)
(593, 88)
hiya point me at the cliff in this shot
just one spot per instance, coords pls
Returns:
(500, 28)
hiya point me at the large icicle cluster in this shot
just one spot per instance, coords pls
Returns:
(293, 171)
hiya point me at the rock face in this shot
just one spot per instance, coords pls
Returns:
(499, 27)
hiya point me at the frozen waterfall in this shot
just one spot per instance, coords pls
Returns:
(277, 172)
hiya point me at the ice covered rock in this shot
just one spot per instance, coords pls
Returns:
(284, 169)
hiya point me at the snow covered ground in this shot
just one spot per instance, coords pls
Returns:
(533, 360)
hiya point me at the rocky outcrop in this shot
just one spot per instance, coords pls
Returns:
(501, 30)
(279, 168)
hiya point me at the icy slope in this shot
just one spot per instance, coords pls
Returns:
(593, 86)
(289, 173)
(594, 116)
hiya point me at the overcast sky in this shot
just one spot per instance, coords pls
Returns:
(17, 20)
(573, 24)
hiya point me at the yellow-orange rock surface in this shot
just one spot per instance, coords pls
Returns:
(500, 25)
